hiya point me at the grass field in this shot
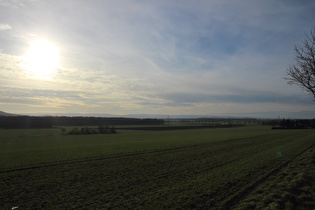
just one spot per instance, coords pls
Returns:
(203, 168)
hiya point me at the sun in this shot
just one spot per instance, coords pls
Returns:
(41, 59)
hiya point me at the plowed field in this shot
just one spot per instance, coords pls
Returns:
(202, 168)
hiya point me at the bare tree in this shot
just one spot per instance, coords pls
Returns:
(302, 73)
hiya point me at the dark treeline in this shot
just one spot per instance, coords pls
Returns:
(180, 127)
(291, 124)
(49, 122)
(100, 130)
(211, 120)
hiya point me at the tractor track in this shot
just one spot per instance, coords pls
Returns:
(153, 151)
(234, 198)
(145, 152)
(228, 198)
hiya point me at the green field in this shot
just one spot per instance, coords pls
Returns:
(199, 168)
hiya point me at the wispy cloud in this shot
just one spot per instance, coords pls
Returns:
(49, 99)
(156, 56)
(12, 3)
(5, 26)
(240, 97)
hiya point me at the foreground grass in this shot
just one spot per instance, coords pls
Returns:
(293, 187)
(141, 169)
(32, 147)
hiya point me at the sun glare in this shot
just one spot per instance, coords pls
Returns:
(41, 59)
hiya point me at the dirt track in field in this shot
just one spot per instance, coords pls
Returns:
(282, 183)
(290, 186)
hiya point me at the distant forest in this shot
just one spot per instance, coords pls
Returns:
(49, 122)
(291, 124)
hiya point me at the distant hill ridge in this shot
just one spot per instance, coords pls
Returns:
(259, 115)
(7, 114)
(139, 116)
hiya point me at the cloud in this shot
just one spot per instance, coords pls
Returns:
(240, 98)
(157, 56)
(4, 26)
(12, 3)
(44, 98)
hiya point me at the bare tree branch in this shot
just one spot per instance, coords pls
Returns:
(302, 73)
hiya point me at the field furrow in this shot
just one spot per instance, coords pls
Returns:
(174, 169)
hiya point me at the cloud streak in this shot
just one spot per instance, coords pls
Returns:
(157, 57)
(4, 26)
(240, 98)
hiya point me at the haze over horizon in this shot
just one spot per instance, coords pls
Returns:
(221, 58)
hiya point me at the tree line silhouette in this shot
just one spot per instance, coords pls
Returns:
(102, 129)
(293, 124)
(49, 121)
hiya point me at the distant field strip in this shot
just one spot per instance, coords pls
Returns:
(179, 127)
(237, 145)
(207, 168)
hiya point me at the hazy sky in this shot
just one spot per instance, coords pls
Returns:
(172, 57)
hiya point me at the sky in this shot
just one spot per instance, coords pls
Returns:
(171, 57)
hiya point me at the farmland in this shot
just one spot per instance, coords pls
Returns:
(191, 168)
